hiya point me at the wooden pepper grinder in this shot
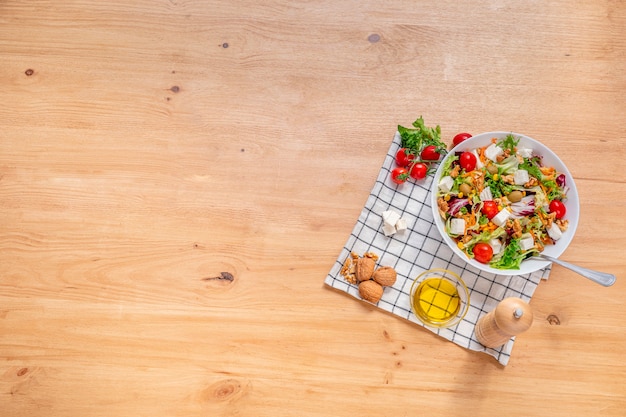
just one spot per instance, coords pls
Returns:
(511, 317)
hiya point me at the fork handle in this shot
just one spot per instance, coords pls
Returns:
(602, 278)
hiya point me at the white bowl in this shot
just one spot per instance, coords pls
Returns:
(549, 159)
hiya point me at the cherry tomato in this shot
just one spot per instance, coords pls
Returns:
(467, 161)
(490, 209)
(404, 158)
(429, 153)
(399, 175)
(419, 171)
(483, 252)
(558, 208)
(460, 138)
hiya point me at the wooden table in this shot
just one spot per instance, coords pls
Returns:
(178, 177)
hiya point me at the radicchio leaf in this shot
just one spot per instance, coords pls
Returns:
(456, 204)
(524, 207)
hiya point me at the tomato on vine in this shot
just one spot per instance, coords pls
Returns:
(423, 142)
(419, 170)
(429, 153)
(404, 157)
(399, 175)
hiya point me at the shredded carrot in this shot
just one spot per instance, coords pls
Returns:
(470, 221)
(481, 155)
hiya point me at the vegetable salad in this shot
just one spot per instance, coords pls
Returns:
(500, 204)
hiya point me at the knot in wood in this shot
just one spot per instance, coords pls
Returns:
(225, 390)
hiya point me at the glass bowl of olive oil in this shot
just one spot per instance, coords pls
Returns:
(439, 298)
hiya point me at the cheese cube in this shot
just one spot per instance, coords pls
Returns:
(525, 152)
(446, 183)
(527, 242)
(457, 226)
(485, 194)
(388, 229)
(521, 177)
(401, 225)
(501, 218)
(496, 245)
(390, 218)
(554, 231)
(493, 151)
(392, 223)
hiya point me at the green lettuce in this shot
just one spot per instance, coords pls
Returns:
(447, 167)
(509, 143)
(508, 165)
(532, 166)
(486, 236)
(510, 257)
(421, 136)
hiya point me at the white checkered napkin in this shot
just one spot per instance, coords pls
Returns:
(420, 248)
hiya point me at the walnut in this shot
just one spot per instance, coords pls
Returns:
(385, 276)
(505, 154)
(479, 182)
(550, 217)
(348, 270)
(517, 229)
(531, 182)
(370, 291)
(370, 255)
(443, 205)
(365, 268)
(509, 179)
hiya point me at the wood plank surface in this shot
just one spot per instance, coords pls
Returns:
(177, 178)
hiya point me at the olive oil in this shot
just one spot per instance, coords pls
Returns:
(436, 301)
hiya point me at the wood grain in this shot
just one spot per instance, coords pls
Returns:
(178, 177)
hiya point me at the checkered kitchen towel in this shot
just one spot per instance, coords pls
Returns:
(420, 248)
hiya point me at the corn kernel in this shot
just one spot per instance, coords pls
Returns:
(460, 245)
(495, 177)
(446, 197)
(460, 195)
